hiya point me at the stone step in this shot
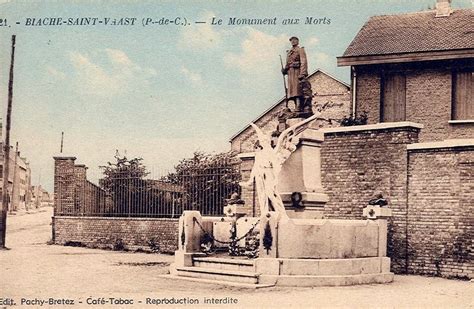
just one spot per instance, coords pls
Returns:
(314, 281)
(218, 282)
(224, 264)
(218, 274)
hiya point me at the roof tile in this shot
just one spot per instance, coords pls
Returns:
(414, 32)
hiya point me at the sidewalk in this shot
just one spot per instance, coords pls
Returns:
(32, 269)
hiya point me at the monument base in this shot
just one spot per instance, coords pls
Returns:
(298, 252)
(310, 207)
(266, 272)
(323, 272)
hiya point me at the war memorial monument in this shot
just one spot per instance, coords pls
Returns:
(296, 245)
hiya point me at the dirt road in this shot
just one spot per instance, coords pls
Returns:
(33, 271)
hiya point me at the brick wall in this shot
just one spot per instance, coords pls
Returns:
(441, 207)
(368, 95)
(430, 192)
(248, 193)
(146, 234)
(80, 178)
(428, 101)
(74, 194)
(64, 184)
(355, 165)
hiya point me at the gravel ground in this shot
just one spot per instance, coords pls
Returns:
(31, 270)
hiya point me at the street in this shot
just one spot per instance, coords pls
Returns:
(36, 274)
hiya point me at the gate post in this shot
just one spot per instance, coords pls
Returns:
(189, 238)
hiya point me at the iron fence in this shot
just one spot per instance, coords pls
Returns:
(162, 196)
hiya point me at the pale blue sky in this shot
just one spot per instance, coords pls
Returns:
(160, 92)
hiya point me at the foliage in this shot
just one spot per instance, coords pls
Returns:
(206, 180)
(123, 168)
(119, 245)
(198, 183)
(207, 244)
(124, 182)
(355, 121)
(252, 243)
(267, 237)
(234, 249)
(183, 237)
(154, 245)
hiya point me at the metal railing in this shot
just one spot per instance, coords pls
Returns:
(161, 196)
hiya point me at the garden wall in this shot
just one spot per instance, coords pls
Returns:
(147, 234)
(440, 208)
(359, 161)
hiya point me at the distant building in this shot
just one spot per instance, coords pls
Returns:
(40, 197)
(19, 181)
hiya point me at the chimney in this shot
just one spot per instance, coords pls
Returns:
(443, 8)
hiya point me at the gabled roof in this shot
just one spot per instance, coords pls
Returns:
(282, 100)
(414, 33)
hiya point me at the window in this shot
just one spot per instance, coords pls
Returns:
(463, 95)
(393, 97)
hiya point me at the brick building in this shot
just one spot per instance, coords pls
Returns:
(419, 67)
(326, 89)
(40, 197)
(413, 75)
(19, 180)
(416, 67)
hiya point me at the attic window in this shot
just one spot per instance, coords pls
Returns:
(463, 95)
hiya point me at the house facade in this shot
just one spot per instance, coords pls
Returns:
(415, 70)
(19, 181)
(416, 67)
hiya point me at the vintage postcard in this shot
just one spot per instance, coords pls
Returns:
(237, 154)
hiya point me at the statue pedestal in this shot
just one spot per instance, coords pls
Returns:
(300, 177)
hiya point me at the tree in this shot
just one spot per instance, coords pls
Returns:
(124, 182)
(207, 180)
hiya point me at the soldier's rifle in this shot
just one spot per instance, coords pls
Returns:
(284, 82)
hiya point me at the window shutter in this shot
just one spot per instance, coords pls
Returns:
(463, 105)
(394, 98)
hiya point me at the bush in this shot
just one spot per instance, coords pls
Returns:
(207, 180)
(355, 121)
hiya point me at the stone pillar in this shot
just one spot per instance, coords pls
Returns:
(189, 238)
(380, 215)
(248, 193)
(300, 177)
(64, 185)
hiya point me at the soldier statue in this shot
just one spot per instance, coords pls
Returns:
(299, 88)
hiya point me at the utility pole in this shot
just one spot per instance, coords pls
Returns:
(62, 141)
(37, 193)
(6, 152)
